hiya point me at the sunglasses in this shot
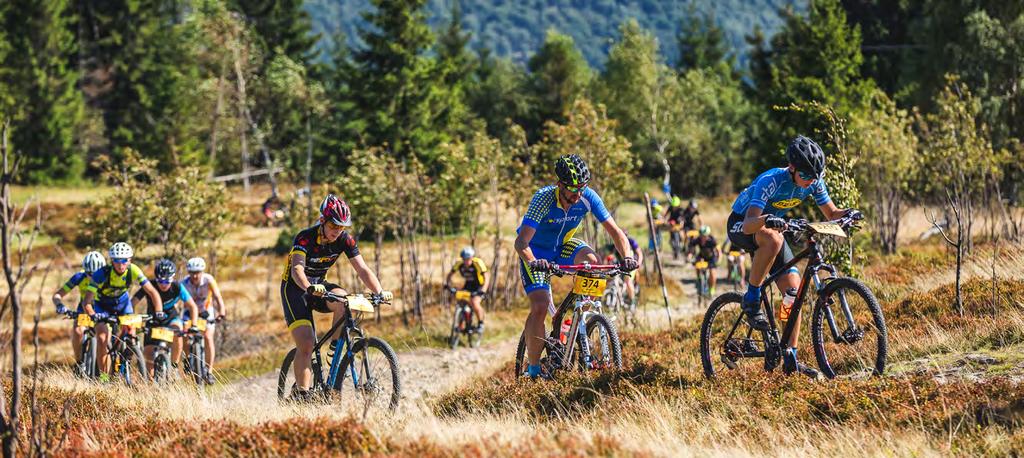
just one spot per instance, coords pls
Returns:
(332, 226)
(574, 189)
(164, 281)
(807, 176)
(119, 260)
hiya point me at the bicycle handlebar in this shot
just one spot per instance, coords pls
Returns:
(799, 225)
(375, 298)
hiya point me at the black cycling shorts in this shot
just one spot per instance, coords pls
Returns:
(299, 306)
(747, 242)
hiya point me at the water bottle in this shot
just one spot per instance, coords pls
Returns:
(564, 334)
(788, 298)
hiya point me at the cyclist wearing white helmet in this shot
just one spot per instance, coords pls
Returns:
(474, 272)
(92, 262)
(206, 293)
(108, 287)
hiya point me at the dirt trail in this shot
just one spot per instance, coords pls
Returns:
(430, 372)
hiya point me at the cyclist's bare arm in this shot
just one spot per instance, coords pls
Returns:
(193, 309)
(87, 302)
(218, 299)
(754, 220)
(153, 294)
(58, 296)
(831, 211)
(487, 280)
(618, 238)
(365, 274)
(299, 271)
(522, 243)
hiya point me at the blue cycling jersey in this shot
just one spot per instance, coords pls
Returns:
(776, 193)
(556, 226)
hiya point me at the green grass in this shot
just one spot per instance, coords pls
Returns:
(59, 195)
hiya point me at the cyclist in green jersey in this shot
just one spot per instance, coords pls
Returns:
(107, 294)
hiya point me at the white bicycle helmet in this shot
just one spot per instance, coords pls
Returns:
(195, 264)
(93, 261)
(121, 250)
(467, 252)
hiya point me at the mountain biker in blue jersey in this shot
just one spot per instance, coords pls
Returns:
(756, 225)
(92, 262)
(166, 314)
(545, 238)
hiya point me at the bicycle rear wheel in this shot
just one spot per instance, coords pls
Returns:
(848, 331)
(603, 343)
(727, 343)
(371, 368)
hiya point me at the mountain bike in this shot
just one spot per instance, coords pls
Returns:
(162, 338)
(369, 362)
(126, 359)
(195, 365)
(587, 340)
(462, 321)
(847, 327)
(734, 259)
(617, 303)
(86, 366)
(676, 239)
(703, 290)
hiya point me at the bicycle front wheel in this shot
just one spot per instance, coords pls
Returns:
(848, 331)
(371, 368)
(605, 349)
(87, 366)
(161, 367)
(727, 343)
(458, 323)
(133, 366)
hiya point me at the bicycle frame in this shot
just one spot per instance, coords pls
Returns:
(348, 322)
(810, 274)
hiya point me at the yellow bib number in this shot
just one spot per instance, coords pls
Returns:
(701, 265)
(131, 321)
(199, 324)
(589, 286)
(463, 295)
(828, 228)
(163, 334)
(692, 234)
(734, 254)
(84, 321)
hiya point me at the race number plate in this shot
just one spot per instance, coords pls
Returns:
(84, 321)
(589, 286)
(828, 228)
(359, 303)
(734, 254)
(131, 321)
(700, 265)
(199, 324)
(462, 295)
(692, 234)
(163, 334)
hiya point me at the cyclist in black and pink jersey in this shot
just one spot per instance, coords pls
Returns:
(314, 251)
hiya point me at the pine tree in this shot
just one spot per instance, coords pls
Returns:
(282, 26)
(558, 75)
(701, 42)
(143, 77)
(394, 83)
(48, 106)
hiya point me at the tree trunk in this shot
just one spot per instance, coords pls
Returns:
(216, 123)
(9, 420)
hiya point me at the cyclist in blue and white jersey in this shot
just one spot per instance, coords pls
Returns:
(92, 262)
(546, 239)
(166, 314)
(756, 226)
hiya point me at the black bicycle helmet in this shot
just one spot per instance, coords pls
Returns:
(571, 170)
(806, 156)
(165, 269)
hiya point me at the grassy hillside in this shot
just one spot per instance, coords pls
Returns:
(516, 28)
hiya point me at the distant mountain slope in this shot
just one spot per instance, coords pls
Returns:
(515, 28)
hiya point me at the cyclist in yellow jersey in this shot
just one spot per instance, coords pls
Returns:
(205, 292)
(474, 272)
(92, 262)
(108, 288)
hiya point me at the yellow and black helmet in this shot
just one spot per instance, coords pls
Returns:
(571, 170)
